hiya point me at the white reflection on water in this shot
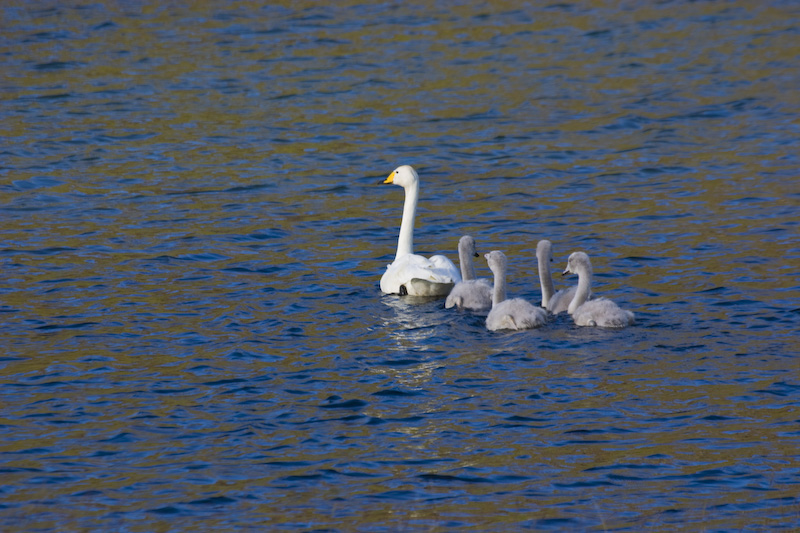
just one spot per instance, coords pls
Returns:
(415, 321)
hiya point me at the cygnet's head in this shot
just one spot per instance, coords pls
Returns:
(497, 261)
(466, 244)
(544, 250)
(578, 263)
(404, 176)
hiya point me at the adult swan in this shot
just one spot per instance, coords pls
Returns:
(410, 273)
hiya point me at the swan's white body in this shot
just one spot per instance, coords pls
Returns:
(409, 273)
(509, 314)
(598, 312)
(555, 302)
(469, 293)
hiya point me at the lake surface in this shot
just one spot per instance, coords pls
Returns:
(193, 231)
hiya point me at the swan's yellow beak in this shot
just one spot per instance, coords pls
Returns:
(390, 179)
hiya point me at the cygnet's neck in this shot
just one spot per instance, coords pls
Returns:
(583, 290)
(465, 262)
(545, 279)
(405, 242)
(499, 293)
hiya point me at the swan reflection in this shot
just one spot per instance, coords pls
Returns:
(414, 321)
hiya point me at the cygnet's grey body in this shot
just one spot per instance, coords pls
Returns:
(469, 293)
(515, 313)
(598, 312)
(554, 301)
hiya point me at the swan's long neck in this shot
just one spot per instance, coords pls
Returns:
(466, 263)
(405, 243)
(583, 290)
(545, 279)
(499, 293)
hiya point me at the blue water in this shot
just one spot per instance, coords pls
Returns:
(193, 231)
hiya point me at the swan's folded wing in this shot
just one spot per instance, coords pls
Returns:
(445, 268)
(424, 271)
(437, 269)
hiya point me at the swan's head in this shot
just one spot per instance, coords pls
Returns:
(466, 244)
(578, 263)
(404, 176)
(497, 261)
(544, 250)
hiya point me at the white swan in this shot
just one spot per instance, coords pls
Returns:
(509, 314)
(598, 312)
(409, 273)
(469, 293)
(555, 302)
